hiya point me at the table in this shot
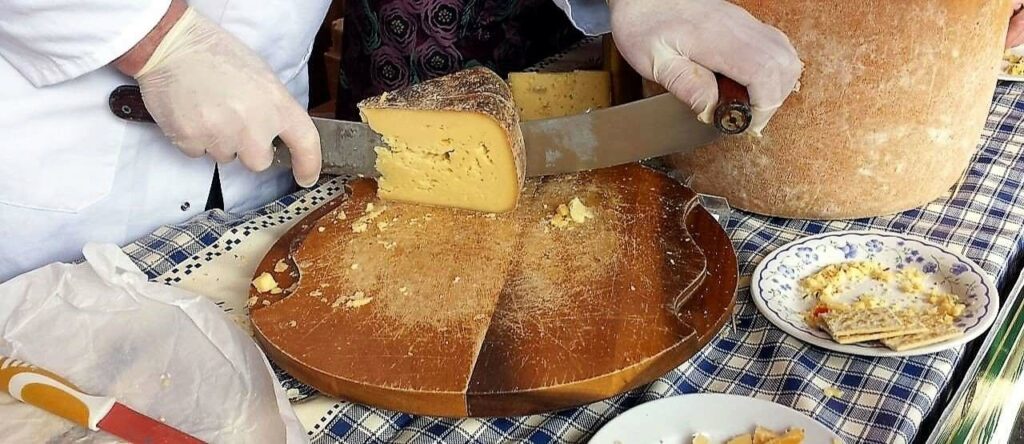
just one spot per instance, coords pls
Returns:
(883, 400)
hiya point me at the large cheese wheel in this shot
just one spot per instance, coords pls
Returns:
(893, 98)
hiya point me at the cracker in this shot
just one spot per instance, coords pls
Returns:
(936, 334)
(869, 321)
(854, 339)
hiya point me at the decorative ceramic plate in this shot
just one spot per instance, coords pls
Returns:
(1003, 64)
(775, 285)
(677, 419)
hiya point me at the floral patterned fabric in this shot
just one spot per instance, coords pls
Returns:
(390, 44)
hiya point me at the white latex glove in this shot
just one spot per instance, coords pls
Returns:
(681, 44)
(212, 95)
(1015, 34)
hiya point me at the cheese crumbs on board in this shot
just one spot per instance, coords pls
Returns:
(264, 283)
(575, 212)
(372, 212)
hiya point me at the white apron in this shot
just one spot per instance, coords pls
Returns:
(70, 172)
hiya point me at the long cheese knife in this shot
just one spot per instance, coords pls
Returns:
(635, 131)
(45, 390)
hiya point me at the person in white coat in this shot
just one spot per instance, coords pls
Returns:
(222, 78)
(71, 172)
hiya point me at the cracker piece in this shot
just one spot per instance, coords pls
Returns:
(861, 322)
(936, 334)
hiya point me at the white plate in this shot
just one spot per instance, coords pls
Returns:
(675, 420)
(776, 290)
(1019, 50)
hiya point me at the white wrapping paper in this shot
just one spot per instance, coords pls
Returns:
(160, 350)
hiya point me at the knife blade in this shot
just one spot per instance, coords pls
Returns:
(47, 391)
(635, 131)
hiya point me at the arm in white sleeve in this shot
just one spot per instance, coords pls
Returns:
(56, 40)
(592, 17)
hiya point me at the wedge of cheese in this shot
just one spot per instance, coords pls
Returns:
(452, 142)
(544, 95)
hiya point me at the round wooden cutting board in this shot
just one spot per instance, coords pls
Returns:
(445, 312)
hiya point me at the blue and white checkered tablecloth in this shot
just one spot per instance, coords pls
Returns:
(884, 400)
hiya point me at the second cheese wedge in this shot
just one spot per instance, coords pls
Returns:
(544, 95)
(453, 142)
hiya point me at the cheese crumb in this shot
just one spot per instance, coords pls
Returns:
(701, 438)
(371, 213)
(356, 303)
(252, 301)
(321, 229)
(833, 392)
(280, 266)
(264, 283)
(828, 282)
(578, 212)
(946, 304)
(293, 324)
(566, 214)
(911, 280)
(276, 290)
(355, 266)
(1015, 66)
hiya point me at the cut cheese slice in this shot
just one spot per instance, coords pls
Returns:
(544, 95)
(452, 142)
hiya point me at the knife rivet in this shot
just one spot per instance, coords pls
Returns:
(126, 109)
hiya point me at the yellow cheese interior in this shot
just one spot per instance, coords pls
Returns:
(557, 94)
(444, 158)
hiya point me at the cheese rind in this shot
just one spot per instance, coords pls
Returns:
(545, 95)
(887, 116)
(451, 142)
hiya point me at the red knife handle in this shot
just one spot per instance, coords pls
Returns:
(126, 102)
(732, 114)
(137, 428)
(52, 393)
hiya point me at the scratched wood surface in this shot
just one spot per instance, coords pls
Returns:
(451, 313)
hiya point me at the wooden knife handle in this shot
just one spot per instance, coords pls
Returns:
(732, 113)
(126, 102)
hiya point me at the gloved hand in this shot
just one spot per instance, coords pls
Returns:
(212, 95)
(1015, 35)
(681, 44)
